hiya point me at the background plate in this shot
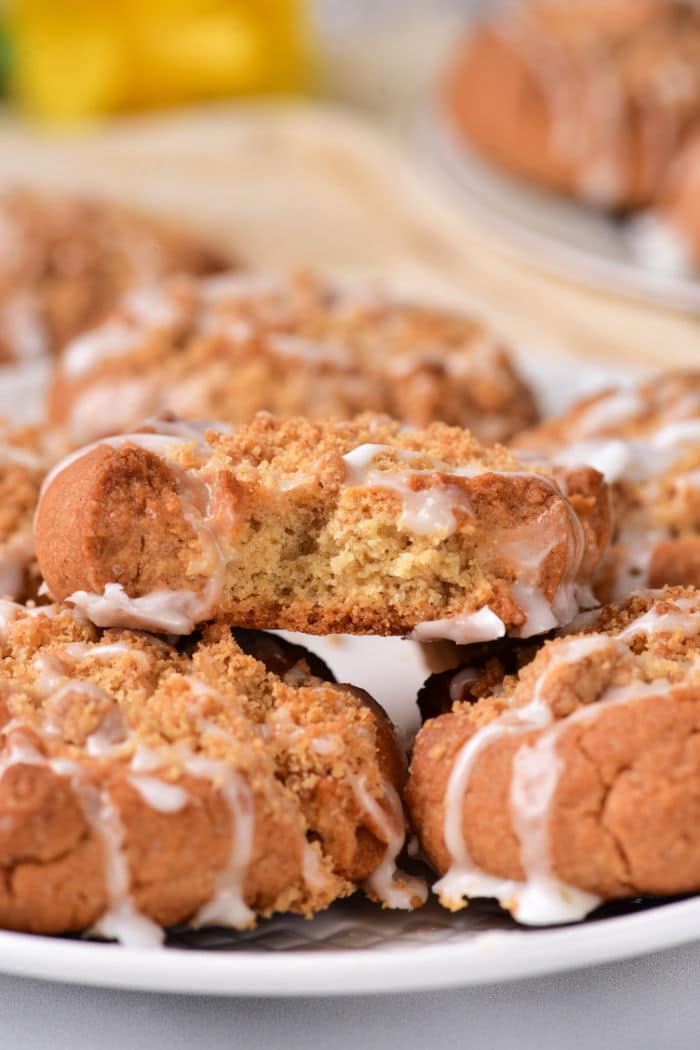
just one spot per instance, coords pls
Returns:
(560, 235)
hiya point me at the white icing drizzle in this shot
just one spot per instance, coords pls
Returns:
(22, 457)
(147, 305)
(146, 760)
(227, 907)
(480, 626)
(159, 794)
(654, 622)
(112, 339)
(464, 878)
(110, 407)
(172, 612)
(310, 350)
(382, 883)
(53, 682)
(111, 736)
(481, 357)
(160, 444)
(328, 744)
(189, 430)
(393, 888)
(312, 868)
(660, 245)
(24, 328)
(53, 675)
(635, 459)
(427, 511)
(542, 898)
(610, 412)
(121, 921)
(612, 456)
(18, 748)
(150, 304)
(11, 611)
(465, 677)
(81, 651)
(239, 285)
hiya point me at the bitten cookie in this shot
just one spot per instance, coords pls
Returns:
(590, 99)
(579, 780)
(227, 347)
(66, 260)
(143, 786)
(646, 441)
(357, 527)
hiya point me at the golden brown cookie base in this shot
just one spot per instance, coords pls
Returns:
(141, 784)
(596, 799)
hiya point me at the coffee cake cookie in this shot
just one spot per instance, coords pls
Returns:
(357, 527)
(143, 785)
(26, 453)
(646, 441)
(65, 261)
(227, 347)
(592, 99)
(578, 781)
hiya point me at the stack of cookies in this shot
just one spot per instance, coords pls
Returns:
(231, 455)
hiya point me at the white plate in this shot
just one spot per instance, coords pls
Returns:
(356, 947)
(557, 234)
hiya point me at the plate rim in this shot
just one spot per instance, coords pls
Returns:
(489, 957)
(439, 142)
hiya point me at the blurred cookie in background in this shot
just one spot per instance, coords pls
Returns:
(592, 99)
(65, 260)
(227, 347)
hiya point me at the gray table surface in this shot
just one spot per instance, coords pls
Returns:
(652, 1002)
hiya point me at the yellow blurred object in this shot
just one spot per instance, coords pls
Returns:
(74, 59)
